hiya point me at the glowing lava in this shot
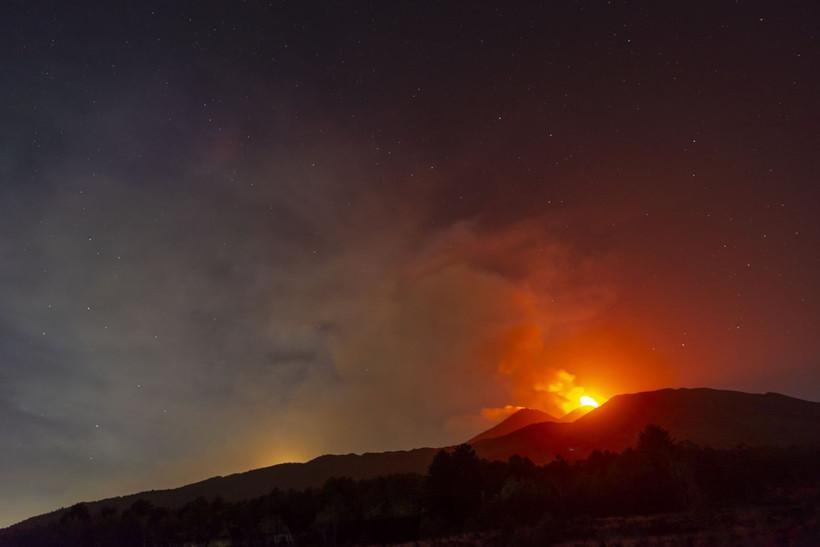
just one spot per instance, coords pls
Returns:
(562, 395)
(586, 400)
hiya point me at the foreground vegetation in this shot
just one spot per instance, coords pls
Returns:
(502, 502)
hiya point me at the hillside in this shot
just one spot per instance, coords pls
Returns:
(259, 482)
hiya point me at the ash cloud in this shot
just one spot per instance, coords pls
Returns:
(158, 334)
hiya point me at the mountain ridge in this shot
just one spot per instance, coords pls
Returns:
(718, 418)
(515, 421)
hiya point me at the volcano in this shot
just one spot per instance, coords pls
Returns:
(708, 417)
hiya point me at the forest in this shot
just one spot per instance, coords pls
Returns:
(461, 493)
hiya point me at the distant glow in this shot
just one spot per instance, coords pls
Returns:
(586, 400)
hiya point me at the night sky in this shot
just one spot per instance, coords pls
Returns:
(239, 233)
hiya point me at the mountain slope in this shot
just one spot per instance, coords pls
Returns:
(717, 418)
(575, 414)
(517, 420)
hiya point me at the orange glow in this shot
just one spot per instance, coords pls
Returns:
(551, 372)
(564, 392)
(546, 352)
(586, 400)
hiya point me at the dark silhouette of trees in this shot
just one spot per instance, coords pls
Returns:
(655, 441)
(454, 486)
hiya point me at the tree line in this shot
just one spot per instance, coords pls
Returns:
(460, 493)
